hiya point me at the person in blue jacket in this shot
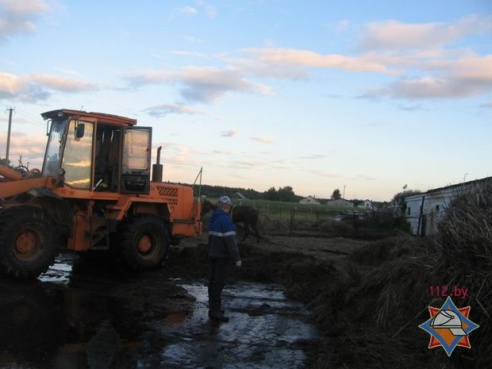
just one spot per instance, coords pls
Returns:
(222, 251)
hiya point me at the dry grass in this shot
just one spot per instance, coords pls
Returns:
(386, 294)
(464, 245)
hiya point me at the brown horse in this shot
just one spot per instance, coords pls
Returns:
(245, 214)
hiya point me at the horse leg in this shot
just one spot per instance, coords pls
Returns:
(257, 234)
(246, 231)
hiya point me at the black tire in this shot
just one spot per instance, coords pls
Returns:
(22, 170)
(143, 242)
(35, 172)
(28, 242)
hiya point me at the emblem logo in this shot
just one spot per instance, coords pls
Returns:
(449, 327)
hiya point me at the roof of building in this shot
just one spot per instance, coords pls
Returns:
(454, 186)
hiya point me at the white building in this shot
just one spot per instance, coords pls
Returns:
(425, 211)
(369, 204)
(309, 200)
(340, 202)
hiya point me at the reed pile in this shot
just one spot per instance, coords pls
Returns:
(372, 316)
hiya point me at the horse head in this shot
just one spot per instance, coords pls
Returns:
(207, 206)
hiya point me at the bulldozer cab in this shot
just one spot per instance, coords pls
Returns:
(98, 152)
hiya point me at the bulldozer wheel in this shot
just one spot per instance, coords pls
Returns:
(22, 170)
(27, 242)
(143, 242)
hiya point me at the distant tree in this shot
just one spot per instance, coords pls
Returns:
(215, 192)
(399, 198)
(5, 162)
(336, 195)
(271, 194)
(286, 194)
(282, 194)
(357, 202)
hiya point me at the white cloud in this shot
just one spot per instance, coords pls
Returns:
(200, 84)
(209, 84)
(9, 83)
(393, 35)
(278, 57)
(473, 69)
(211, 11)
(187, 10)
(466, 77)
(192, 39)
(62, 84)
(424, 67)
(231, 133)
(18, 17)
(313, 157)
(262, 139)
(22, 145)
(433, 87)
(222, 152)
(38, 87)
(343, 24)
(165, 109)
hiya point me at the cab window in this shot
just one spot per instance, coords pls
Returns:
(77, 158)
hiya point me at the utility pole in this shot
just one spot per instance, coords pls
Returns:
(10, 110)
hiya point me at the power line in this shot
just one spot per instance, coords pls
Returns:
(29, 117)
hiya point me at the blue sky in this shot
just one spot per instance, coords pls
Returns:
(361, 96)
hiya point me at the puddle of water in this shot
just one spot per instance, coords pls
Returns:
(75, 319)
(59, 272)
(265, 330)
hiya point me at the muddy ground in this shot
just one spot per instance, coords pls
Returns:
(88, 312)
(302, 300)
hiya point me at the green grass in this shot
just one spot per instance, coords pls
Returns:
(295, 206)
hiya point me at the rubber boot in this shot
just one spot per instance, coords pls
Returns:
(215, 313)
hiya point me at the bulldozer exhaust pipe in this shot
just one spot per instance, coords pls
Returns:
(157, 167)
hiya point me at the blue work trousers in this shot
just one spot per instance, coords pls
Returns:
(217, 278)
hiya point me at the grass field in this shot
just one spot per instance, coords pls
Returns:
(282, 210)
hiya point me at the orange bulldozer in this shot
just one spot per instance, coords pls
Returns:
(95, 191)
